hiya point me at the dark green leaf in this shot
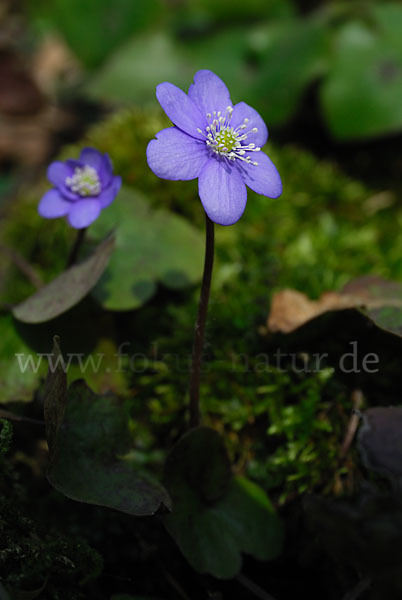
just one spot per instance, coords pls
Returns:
(134, 70)
(296, 54)
(151, 246)
(90, 463)
(216, 517)
(67, 289)
(361, 96)
(95, 27)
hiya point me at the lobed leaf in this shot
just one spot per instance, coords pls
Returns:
(88, 462)
(216, 517)
(67, 289)
(361, 95)
(151, 246)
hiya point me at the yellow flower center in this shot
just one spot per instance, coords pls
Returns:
(227, 141)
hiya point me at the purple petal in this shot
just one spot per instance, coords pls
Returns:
(84, 212)
(176, 155)
(92, 157)
(263, 178)
(107, 195)
(243, 111)
(209, 92)
(222, 191)
(180, 109)
(57, 172)
(100, 162)
(53, 205)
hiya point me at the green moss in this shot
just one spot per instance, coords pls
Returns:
(31, 559)
(43, 243)
(6, 436)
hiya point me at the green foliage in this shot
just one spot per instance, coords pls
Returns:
(291, 55)
(88, 456)
(234, 10)
(95, 28)
(361, 94)
(305, 431)
(162, 246)
(216, 517)
(274, 54)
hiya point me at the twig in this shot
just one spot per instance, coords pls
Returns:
(5, 414)
(253, 588)
(23, 265)
(357, 401)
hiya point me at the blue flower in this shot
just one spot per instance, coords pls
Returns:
(215, 141)
(82, 189)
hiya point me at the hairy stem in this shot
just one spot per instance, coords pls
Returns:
(72, 258)
(200, 325)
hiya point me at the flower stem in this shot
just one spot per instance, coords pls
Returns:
(72, 258)
(200, 325)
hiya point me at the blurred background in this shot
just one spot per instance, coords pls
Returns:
(326, 74)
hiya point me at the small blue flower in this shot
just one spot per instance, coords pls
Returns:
(82, 189)
(215, 141)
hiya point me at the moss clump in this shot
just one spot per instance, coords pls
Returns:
(32, 559)
(6, 436)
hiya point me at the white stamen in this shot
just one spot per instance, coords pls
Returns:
(85, 181)
(227, 141)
